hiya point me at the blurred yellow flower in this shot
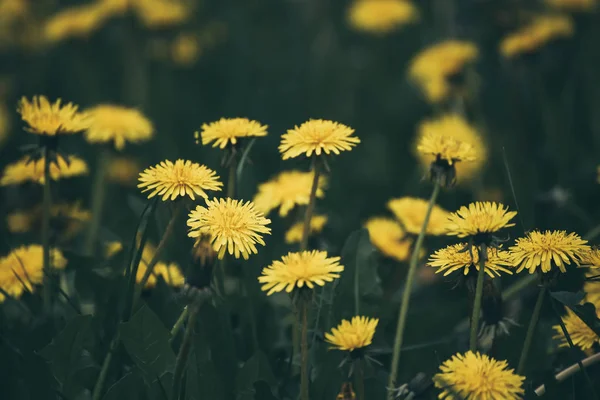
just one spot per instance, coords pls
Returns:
(66, 219)
(573, 5)
(591, 287)
(541, 30)
(458, 256)
(123, 170)
(541, 249)
(22, 268)
(169, 272)
(381, 16)
(286, 190)
(27, 170)
(157, 14)
(229, 130)
(45, 118)
(477, 376)
(445, 148)
(234, 226)
(389, 238)
(410, 211)
(294, 234)
(479, 218)
(299, 270)
(110, 123)
(76, 21)
(112, 248)
(352, 335)
(185, 49)
(317, 136)
(581, 334)
(182, 178)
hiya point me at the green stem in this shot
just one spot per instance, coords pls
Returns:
(98, 196)
(304, 352)
(356, 290)
(531, 330)
(179, 323)
(184, 352)
(478, 296)
(231, 180)
(570, 371)
(311, 205)
(97, 392)
(46, 210)
(359, 379)
(407, 291)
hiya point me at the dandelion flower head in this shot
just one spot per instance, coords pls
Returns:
(45, 118)
(294, 234)
(120, 125)
(459, 256)
(352, 335)
(481, 217)
(540, 31)
(389, 238)
(75, 22)
(592, 259)
(410, 211)
(158, 14)
(28, 170)
(381, 16)
(582, 335)
(229, 130)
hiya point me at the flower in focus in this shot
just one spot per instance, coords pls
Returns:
(389, 238)
(117, 124)
(317, 136)
(23, 267)
(479, 218)
(478, 376)
(410, 211)
(78, 21)
(352, 335)
(66, 219)
(294, 234)
(540, 249)
(233, 225)
(458, 256)
(591, 259)
(45, 118)
(591, 287)
(157, 14)
(299, 270)
(229, 130)
(27, 170)
(582, 335)
(381, 16)
(123, 170)
(541, 30)
(573, 5)
(286, 190)
(182, 178)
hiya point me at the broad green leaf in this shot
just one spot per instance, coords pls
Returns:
(256, 369)
(130, 387)
(587, 311)
(569, 298)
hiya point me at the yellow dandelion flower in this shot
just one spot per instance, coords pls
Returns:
(110, 123)
(381, 16)
(23, 268)
(27, 170)
(286, 190)
(591, 287)
(478, 376)
(445, 148)
(389, 238)
(45, 118)
(112, 248)
(591, 259)
(299, 270)
(481, 217)
(410, 211)
(581, 334)
(123, 170)
(75, 22)
(229, 130)
(157, 14)
(185, 49)
(317, 136)
(541, 30)
(294, 234)
(182, 178)
(573, 5)
(540, 249)
(233, 225)
(352, 335)
(455, 257)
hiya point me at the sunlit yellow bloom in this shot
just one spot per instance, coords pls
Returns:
(540, 249)
(162, 13)
(229, 130)
(478, 376)
(77, 21)
(112, 248)
(182, 178)
(45, 118)
(66, 219)
(481, 217)
(119, 125)
(123, 170)
(286, 190)
(591, 287)
(381, 16)
(573, 5)
(299, 270)
(294, 234)
(234, 226)
(22, 268)
(445, 148)
(541, 30)
(458, 256)
(185, 49)
(317, 136)
(352, 335)
(26, 170)
(389, 238)
(432, 67)
(581, 334)
(410, 211)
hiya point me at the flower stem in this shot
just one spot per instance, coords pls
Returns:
(478, 296)
(304, 352)
(570, 371)
(98, 196)
(179, 323)
(184, 351)
(97, 392)
(407, 291)
(359, 379)
(231, 180)
(47, 204)
(531, 330)
(311, 205)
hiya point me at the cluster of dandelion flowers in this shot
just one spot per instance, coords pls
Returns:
(381, 16)
(300, 270)
(23, 267)
(229, 130)
(541, 30)
(352, 335)
(389, 238)
(479, 218)
(582, 335)
(119, 125)
(411, 211)
(460, 257)
(286, 190)
(29, 170)
(179, 179)
(294, 234)
(317, 136)
(538, 250)
(51, 119)
(234, 226)
(573, 5)
(478, 376)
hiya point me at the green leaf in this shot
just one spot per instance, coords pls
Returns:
(586, 312)
(130, 387)
(569, 298)
(203, 381)
(254, 370)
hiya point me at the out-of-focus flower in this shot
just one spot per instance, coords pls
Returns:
(582, 335)
(410, 211)
(123, 170)
(294, 234)
(479, 218)
(66, 219)
(573, 5)
(389, 238)
(75, 22)
(28, 170)
(112, 248)
(229, 130)
(185, 49)
(120, 125)
(157, 14)
(381, 16)
(591, 287)
(458, 256)
(170, 272)
(352, 335)
(540, 31)
(51, 119)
